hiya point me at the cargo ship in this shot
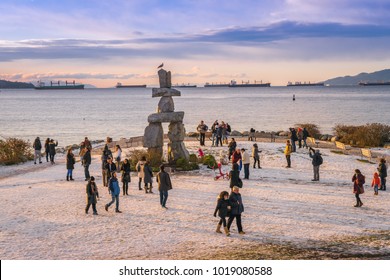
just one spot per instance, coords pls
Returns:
(57, 85)
(216, 85)
(119, 85)
(300, 84)
(184, 86)
(248, 84)
(374, 84)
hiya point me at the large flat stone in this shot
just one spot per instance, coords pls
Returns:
(154, 136)
(159, 92)
(166, 117)
(166, 105)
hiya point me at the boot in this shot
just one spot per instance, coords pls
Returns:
(360, 204)
(71, 178)
(67, 178)
(218, 228)
(226, 231)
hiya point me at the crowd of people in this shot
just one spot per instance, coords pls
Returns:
(219, 133)
(229, 204)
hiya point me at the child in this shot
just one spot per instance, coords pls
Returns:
(222, 208)
(200, 153)
(376, 183)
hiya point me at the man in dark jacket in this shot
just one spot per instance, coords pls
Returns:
(382, 171)
(164, 185)
(305, 135)
(293, 139)
(92, 195)
(52, 150)
(202, 129)
(235, 201)
(37, 150)
(87, 162)
(316, 162)
(109, 167)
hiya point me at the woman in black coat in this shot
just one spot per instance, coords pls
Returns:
(234, 176)
(235, 201)
(52, 150)
(70, 161)
(125, 169)
(222, 209)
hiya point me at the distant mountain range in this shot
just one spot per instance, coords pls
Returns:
(8, 84)
(378, 76)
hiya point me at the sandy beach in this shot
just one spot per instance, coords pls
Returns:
(287, 216)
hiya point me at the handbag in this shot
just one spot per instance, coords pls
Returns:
(360, 189)
(239, 183)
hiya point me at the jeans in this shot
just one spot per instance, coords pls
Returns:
(70, 171)
(246, 171)
(238, 221)
(125, 187)
(258, 162)
(163, 198)
(114, 198)
(219, 140)
(86, 171)
(316, 170)
(202, 137)
(294, 147)
(214, 139)
(52, 158)
(376, 188)
(383, 182)
(304, 143)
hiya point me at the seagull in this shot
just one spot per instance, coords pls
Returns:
(161, 65)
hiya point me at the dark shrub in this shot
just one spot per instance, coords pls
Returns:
(313, 129)
(14, 151)
(369, 135)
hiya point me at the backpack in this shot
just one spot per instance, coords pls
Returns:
(320, 160)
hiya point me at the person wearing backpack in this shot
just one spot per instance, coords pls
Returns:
(316, 162)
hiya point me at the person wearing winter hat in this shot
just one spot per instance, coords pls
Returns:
(92, 195)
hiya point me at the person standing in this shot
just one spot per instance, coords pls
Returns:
(113, 185)
(256, 156)
(235, 201)
(232, 147)
(305, 134)
(300, 137)
(109, 168)
(234, 176)
(224, 133)
(222, 209)
(139, 168)
(92, 195)
(52, 150)
(164, 185)
(246, 161)
(358, 180)
(87, 143)
(87, 162)
(376, 181)
(214, 128)
(316, 162)
(382, 171)
(105, 155)
(125, 168)
(118, 156)
(70, 162)
(148, 177)
(47, 149)
(287, 153)
(219, 135)
(202, 129)
(293, 138)
(37, 150)
(236, 156)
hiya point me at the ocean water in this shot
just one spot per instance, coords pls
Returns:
(68, 116)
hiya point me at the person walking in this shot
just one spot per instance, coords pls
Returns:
(222, 209)
(37, 150)
(113, 185)
(164, 185)
(246, 161)
(358, 180)
(376, 181)
(287, 153)
(235, 201)
(70, 162)
(148, 177)
(87, 159)
(92, 195)
(47, 149)
(316, 162)
(139, 168)
(52, 150)
(256, 156)
(202, 129)
(126, 178)
(105, 155)
(382, 172)
(234, 176)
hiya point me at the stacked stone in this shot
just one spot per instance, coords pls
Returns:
(154, 134)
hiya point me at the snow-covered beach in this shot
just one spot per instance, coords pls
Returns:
(286, 215)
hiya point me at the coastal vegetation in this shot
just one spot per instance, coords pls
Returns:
(368, 135)
(8, 84)
(312, 128)
(14, 151)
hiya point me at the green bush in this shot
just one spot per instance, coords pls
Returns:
(368, 135)
(14, 151)
(193, 158)
(185, 165)
(313, 129)
(210, 161)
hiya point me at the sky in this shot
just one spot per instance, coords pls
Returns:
(277, 41)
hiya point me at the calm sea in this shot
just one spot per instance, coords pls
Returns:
(70, 115)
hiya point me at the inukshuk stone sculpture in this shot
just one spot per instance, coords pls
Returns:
(154, 134)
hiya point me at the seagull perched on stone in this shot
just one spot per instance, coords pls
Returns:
(161, 65)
